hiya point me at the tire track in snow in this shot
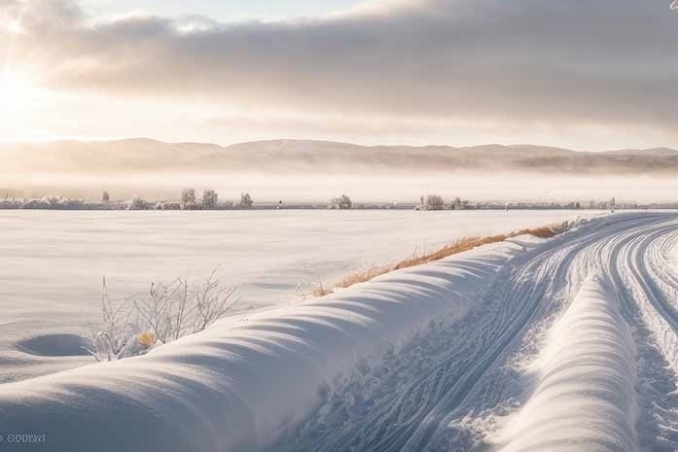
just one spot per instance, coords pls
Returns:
(657, 342)
(450, 373)
(241, 386)
(585, 397)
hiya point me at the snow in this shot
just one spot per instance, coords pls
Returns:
(53, 262)
(584, 397)
(526, 345)
(241, 384)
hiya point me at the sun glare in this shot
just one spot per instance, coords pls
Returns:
(16, 93)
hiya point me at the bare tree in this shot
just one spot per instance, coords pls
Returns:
(343, 202)
(434, 202)
(188, 201)
(210, 200)
(105, 197)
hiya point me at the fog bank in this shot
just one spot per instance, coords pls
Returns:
(319, 188)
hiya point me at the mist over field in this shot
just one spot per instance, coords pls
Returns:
(313, 172)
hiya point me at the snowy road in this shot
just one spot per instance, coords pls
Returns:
(450, 389)
(565, 344)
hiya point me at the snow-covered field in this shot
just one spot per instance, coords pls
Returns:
(550, 345)
(52, 263)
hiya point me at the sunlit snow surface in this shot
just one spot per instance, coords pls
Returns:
(566, 344)
(52, 263)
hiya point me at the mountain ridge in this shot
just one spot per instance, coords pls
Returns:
(138, 155)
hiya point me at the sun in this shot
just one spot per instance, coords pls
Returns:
(16, 93)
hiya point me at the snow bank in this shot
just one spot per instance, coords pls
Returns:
(245, 381)
(584, 398)
(51, 286)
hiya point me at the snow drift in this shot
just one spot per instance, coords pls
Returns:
(585, 397)
(244, 382)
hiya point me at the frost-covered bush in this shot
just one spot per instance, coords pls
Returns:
(164, 205)
(133, 326)
(210, 200)
(70, 204)
(246, 201)
(137, 203)
(343, 202)
(9, 203)
(188, 200)
(52, 203)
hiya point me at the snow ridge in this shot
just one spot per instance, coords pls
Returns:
(244, 382)
(584, 397)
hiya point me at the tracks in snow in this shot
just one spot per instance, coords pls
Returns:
(425, 397)
(585, 397)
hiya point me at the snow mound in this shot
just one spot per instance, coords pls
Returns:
(56, 345)
(584, 399)
(526, 239)
(248, 380)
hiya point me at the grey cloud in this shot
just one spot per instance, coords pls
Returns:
(587, 61)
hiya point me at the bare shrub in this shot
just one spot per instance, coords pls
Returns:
(116, 328)
(434, 202)
(171, 310)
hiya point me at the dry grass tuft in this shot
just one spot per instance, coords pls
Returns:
(363, 275)
(321, 291)
(457, 247)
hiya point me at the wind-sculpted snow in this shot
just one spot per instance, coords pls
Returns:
(245, 381)
(568, 343)
(50, 288)
(584, 398)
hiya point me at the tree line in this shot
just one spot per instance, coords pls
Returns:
(209, 200)
(190, 201)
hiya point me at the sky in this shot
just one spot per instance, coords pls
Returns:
(586, 74)
(223, 11)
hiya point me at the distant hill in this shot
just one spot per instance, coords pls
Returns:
(133, 155)
(297, 156)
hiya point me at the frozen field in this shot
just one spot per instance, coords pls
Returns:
(566, 344)
(52, 263)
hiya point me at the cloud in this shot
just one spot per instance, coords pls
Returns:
(609, 62)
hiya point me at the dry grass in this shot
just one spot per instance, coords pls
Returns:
(363, 275)
(457, 247)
